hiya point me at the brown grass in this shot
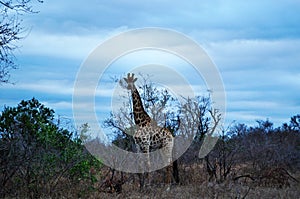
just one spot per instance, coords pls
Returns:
(205, 190)
(194, 184)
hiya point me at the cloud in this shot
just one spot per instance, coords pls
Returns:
(257, 68)
(58, 105)
(60, 45)
(254, 44)
(255, 19)
(257, 65)
(261, 77)
(59, 87)
(270, 54)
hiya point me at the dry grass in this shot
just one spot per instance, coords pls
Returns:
(194, 184)
(205, 190)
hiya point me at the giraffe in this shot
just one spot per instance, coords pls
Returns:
(148, 135)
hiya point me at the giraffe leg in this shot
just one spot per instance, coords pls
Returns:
(147, 176)
(167, 156)
(144, 177)
(141, 180)
(169, 177)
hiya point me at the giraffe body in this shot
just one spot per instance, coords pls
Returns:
(148, 135)
(155, 137)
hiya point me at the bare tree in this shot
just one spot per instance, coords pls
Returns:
(263, 154)
(10, 32)
(198, 123)
(190, 120)
(222, 158)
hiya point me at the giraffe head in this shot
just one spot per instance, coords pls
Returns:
(129, 81)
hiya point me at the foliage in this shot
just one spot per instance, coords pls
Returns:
(262, 153)
(37, 155)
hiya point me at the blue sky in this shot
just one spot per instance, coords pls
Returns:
(254, 44)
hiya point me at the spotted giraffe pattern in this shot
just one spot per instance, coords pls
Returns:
(148, 135)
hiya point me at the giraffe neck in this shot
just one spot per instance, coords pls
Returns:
(141, 118)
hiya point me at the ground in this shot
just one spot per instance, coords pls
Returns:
(195, 184)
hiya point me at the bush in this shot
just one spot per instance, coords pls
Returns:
(37, 157)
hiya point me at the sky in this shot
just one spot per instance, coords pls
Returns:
(254, 44)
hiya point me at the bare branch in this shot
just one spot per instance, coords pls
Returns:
(216, 116)
(10, 33)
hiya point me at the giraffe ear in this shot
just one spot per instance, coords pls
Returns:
(134, 80)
